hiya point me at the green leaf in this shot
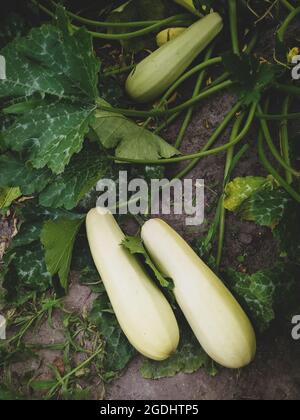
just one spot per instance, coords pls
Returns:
(51, 61)
(288, 232)
(25, 270)
(265, 291)
(252, 77)
(28, 233)
(265, 207)
(135, 246)
(50, 134)
(118, 350)
(189, 358)
(14, 173)
(137, 11)
(32, 212)
(114, 131)
(8, 196)
(83, 173)
(240, 189)
(60, 68)
(58, 239)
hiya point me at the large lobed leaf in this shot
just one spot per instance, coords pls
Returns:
(60, 68)
(189, 358)
(265, 291)
(118, 350)
(63, 190)
(130, 141)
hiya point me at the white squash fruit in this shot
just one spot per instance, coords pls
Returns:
(143, 312)
(218, 321)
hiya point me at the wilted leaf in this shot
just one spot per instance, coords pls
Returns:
(115, 131)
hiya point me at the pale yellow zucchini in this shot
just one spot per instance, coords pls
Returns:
(218, 321)
(156, 73)
(143, 312)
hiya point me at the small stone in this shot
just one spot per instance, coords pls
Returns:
(245, 238)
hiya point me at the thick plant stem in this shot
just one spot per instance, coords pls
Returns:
(273, 149)
(279, 117)
(284, 140)
(288, 5)
(282, 30)
(160, 112)
(166, 123)
(289, 89)
(228, 165)
(139, 33)
(99, 24)
(122, 37)
(232, 7)
(182, 79)
(116, 72)
(216, 134)
(201, 154)
(267, 165)
(190, 111)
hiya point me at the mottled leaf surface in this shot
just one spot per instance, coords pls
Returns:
(263, 292)
(118, 350)
(62, 69)
(188, 358)
(82, 174)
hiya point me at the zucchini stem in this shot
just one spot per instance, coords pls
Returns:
(116, 72)
(160, 112)
(283, 28)
(183, 78)
(273, 149)
(228, 165)
(189, 113)
(284, 139)
(232, 7)
(216, 134)
(267, 165)
(289, 89)
(279, 117)
(121, 37)
(100, 24)
(288, 5)
(201, 154)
